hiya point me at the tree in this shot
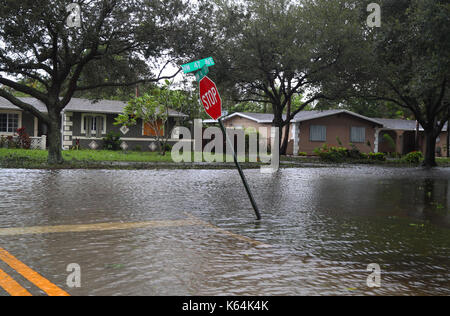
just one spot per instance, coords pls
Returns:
(408, 63)
(252, 107)
(367, 107)
(269, 51)
(37, 43)
(153, 109)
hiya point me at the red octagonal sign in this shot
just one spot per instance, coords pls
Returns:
(209, 95)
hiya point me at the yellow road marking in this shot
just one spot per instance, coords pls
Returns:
(15, 289)
(93, 227)
(227, 233)
(11, 286)
(32, 276)
(192, 221)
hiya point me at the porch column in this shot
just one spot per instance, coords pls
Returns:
(67, 130)
(36, 127)
(295, 132)
(377, 140)
(400, 142)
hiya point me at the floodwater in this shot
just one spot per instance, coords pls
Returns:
(323, 227)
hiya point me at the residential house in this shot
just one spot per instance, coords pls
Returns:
(407, 136)
(86, 122)
(312, 129)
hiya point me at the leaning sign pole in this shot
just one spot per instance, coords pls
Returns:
(210, 98)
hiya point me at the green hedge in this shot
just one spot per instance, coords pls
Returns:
(341, 154)
(414, 157)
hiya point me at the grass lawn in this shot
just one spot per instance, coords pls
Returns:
(19, 158)
(85, 159)
(40, 156)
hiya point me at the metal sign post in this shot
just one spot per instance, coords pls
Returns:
(241, 173)
(210, 98)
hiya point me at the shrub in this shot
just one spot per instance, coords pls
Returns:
(302, 154)
(77, 144)
(24, 140)
(168, 147)
(376, 157)
(11, 144)
(332, 153)
(414, 157)
(112, 142)
(355, 153)
(3, 142)
(339, 154)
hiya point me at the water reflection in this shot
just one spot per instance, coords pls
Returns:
(325, 226)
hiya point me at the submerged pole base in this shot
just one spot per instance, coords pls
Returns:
(241, 173)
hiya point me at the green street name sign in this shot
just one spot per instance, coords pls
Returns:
(199, 75)
(197, 65)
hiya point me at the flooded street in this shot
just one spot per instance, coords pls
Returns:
(193, 232)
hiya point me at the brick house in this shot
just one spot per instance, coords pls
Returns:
(312, 129)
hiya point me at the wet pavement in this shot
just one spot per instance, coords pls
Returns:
(192, 232)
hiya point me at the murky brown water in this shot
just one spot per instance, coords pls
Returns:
(325, 227)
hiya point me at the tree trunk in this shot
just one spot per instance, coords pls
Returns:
(448, 138)
(54, 140)
(430, 154)
(285, 143)
(278, 123)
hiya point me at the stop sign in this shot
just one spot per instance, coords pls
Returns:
(209, 95)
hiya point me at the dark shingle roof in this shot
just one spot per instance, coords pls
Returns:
(6, 105)
(403, 125)
(81, 105)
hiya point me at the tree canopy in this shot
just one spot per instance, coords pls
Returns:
(271, 51)
(112, 47)
(407, 63)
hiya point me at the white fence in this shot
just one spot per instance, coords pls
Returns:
(36, 142)
(39, 142)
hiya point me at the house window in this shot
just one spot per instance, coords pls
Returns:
(318, 133)
(93, 125)
(358, 135)
(9, 123)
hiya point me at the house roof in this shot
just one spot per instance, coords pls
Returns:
(302, 116)
(260, 118)
(404, 125)
(81, 105)
(312, 115)
(6, 105)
